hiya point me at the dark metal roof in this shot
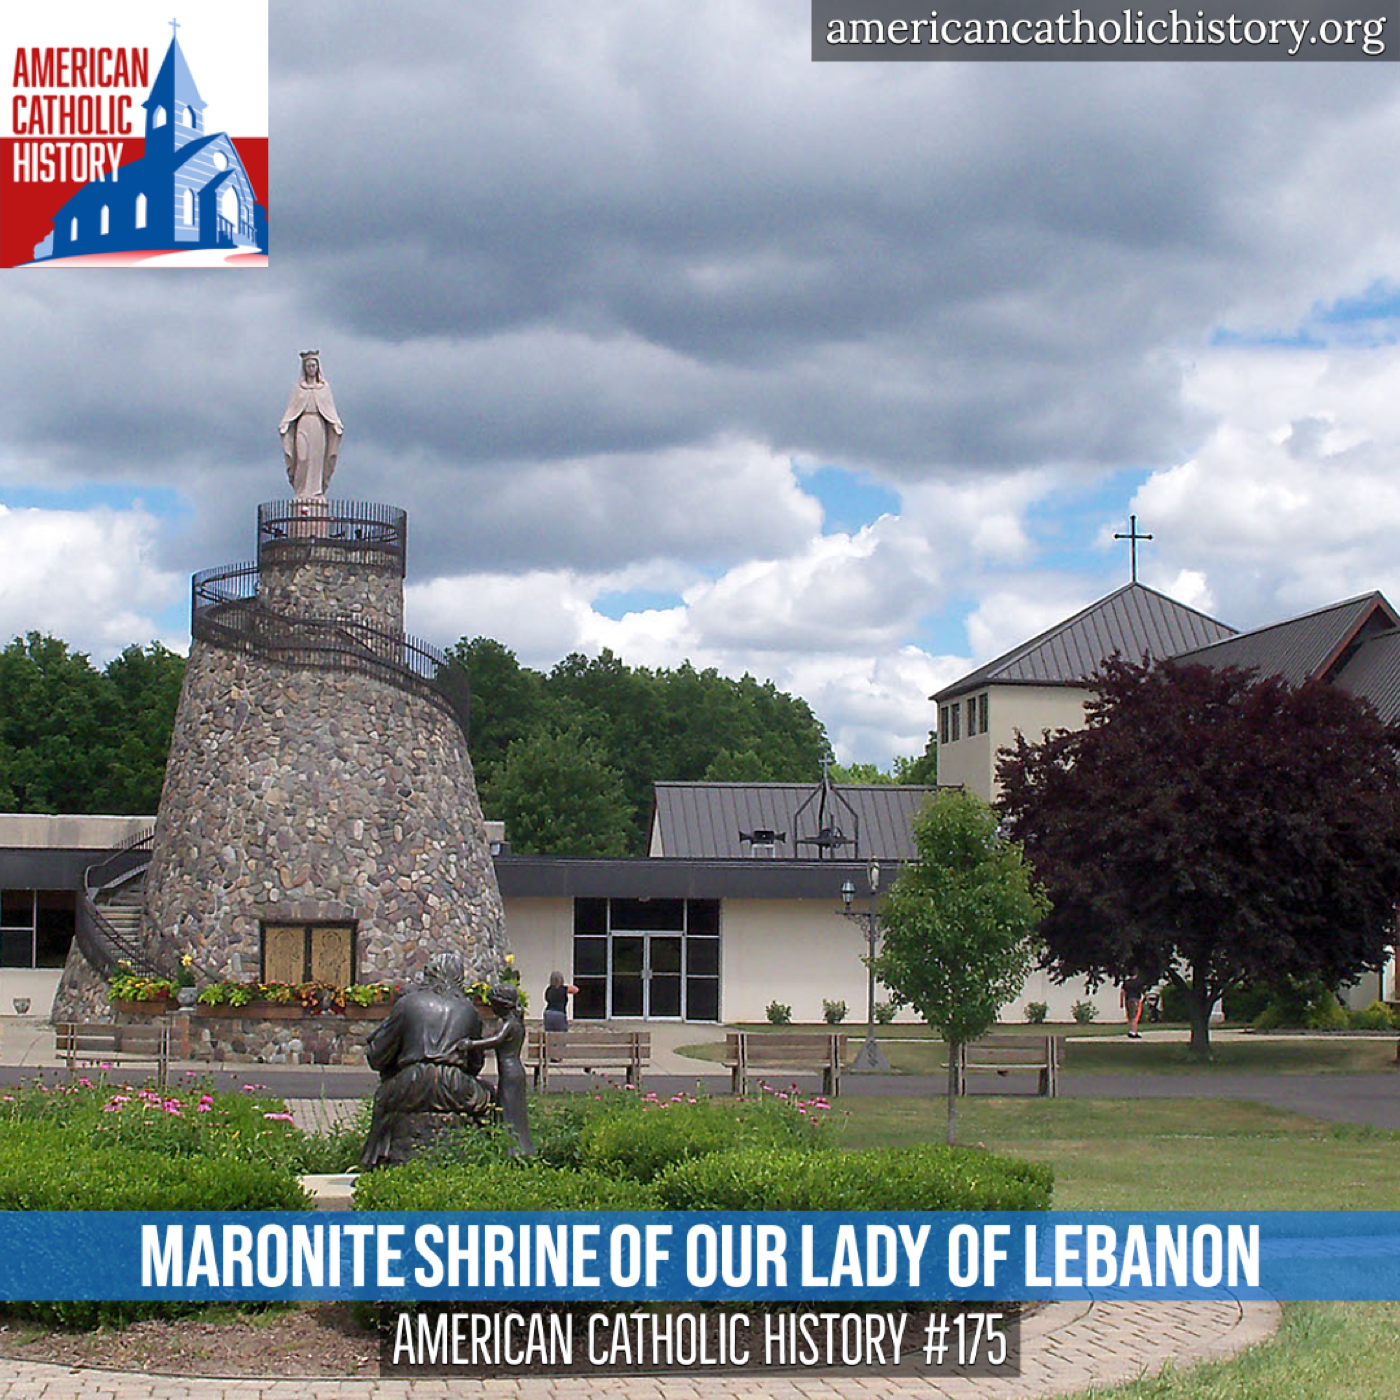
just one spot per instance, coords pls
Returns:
(1134, 622)
(1301, 648)
(703, 820)
(564, 877)
(1373, 673)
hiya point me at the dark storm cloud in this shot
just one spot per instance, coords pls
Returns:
(546, 248)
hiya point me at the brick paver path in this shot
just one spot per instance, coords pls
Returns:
(1065, 1347)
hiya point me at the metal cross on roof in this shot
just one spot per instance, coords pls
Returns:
(1133, 537)
(174, 25)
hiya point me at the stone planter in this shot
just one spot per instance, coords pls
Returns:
(258, 1011)
(144, 1008)
(187, 996)
(376, 1011)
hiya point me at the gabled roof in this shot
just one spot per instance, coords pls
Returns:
(1135, 621)
(1308, 647)
(1372, 673)
(703, 820)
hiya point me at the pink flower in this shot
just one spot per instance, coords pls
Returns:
(279, 1117)
(204, 1108)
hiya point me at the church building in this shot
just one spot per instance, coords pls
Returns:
(188, 190)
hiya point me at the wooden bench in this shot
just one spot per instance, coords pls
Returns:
(102, 1044)
(1005, 1054)
(585, 1049)
(757, 1053)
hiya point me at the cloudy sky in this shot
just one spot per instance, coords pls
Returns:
(674, 342)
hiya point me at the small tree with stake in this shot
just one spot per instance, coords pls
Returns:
(1212, 828)
(959, 926)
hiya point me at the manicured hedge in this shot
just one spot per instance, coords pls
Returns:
(497, 1186)
(642, 1143)
(896, 1178)
(48, 1166)
(42, 1167)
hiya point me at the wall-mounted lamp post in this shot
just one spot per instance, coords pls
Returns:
(871, 1059)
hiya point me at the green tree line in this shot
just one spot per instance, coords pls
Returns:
(74, 738)
(566, 758)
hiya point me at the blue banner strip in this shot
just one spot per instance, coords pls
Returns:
(697, 1256)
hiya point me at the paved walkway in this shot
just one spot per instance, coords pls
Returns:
(1065, 1347)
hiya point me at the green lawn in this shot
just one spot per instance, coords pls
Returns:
(1156, 1154)
(1323, 1351)
(1196, 1154)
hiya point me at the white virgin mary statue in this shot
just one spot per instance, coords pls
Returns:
(311, 432)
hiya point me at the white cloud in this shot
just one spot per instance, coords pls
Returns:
(85, 576)
(1293, 500)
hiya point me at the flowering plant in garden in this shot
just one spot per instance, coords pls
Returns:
(312, 996)
(185, 976)
(480, 991)
(132, 986)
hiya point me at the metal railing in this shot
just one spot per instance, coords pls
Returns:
(105, 946)
(365, 532)
(226, 611)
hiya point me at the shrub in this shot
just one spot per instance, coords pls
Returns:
(661, 1132)
(190, 1121)
(1327, 1014)
(1302, 1003)
(1036, 1012)
(833, 1012)
(1245, 1002)
(778, 1014)
(928, 1177)
(42, 1167)
(1376, 1017)
(420, 1185)
(1084, 1012)
(886, 1011)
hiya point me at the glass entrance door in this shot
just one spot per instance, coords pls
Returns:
(664, 975)
(646, 975)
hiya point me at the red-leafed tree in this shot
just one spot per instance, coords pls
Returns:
(1212, 828)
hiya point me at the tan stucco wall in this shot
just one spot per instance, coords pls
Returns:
(1027, 709)
(792, 951)
(540, 934)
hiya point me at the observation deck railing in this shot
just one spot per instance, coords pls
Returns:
(226, 611)
(292, 531)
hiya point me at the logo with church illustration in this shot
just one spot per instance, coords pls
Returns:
(115, 160)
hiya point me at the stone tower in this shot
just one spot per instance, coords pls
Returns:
(319, 819)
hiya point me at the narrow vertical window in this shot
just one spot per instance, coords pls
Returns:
(140, 211)
(982, 712)
(73, 231)
(187, 208)
(106, 220)
(971, 716)
(943, 725)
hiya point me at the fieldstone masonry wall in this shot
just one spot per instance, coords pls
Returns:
(296, 795)
(368, 593)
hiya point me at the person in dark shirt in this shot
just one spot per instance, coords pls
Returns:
(1134, 988)
(556, 1002)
